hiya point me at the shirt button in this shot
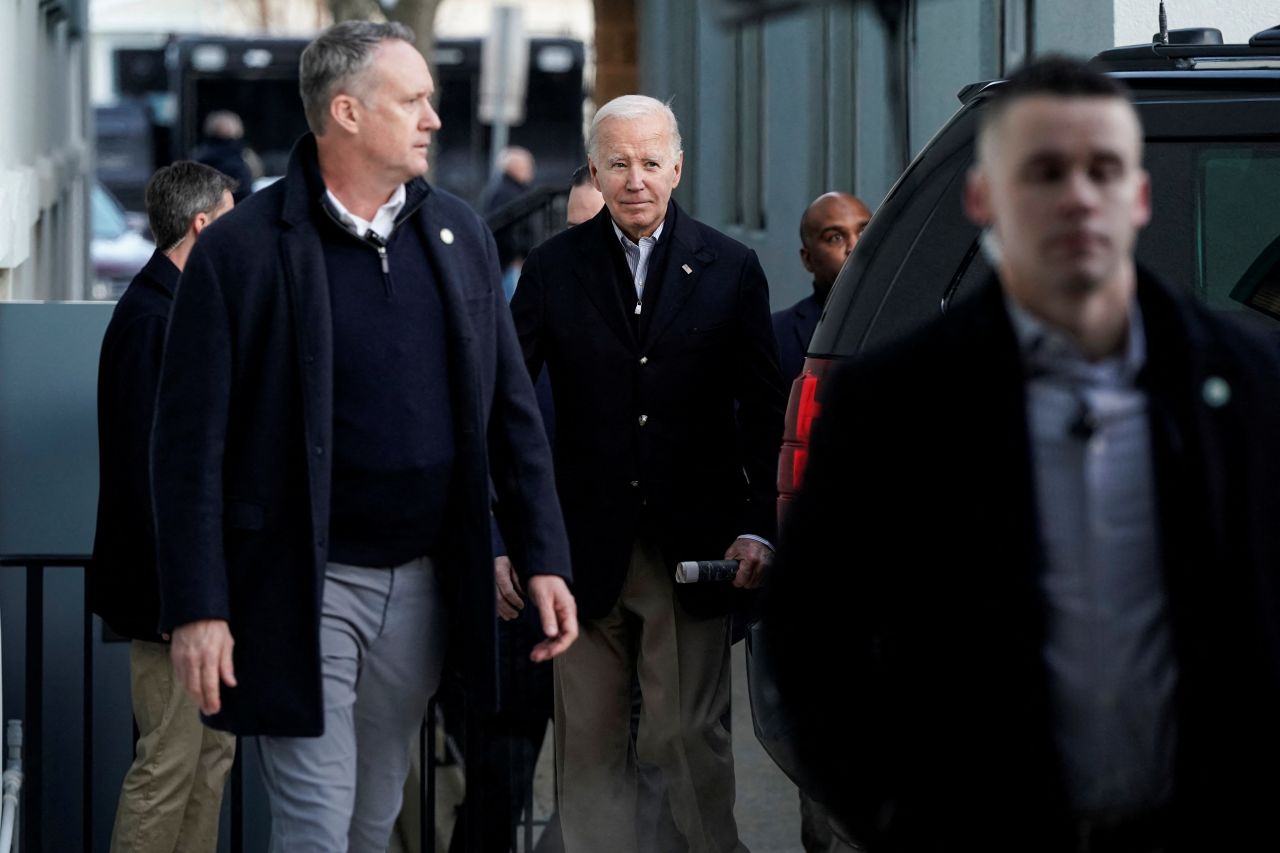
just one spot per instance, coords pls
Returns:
(644, 359)
(319, 450)
(644, 419)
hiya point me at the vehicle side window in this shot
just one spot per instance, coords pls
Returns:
(1216, 229)
(1239, 235)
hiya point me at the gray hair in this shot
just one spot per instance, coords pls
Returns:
(632, 108)
(177, 193)
(334, 61)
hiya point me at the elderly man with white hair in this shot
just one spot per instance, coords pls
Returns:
(655, 332)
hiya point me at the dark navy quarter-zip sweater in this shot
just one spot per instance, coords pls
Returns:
(393, 440)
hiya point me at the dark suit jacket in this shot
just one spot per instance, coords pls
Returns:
(123, 589)
(793, 327)
(905, 615)
(243, 443)
(674, 431)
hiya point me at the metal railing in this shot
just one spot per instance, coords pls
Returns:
(40, 798)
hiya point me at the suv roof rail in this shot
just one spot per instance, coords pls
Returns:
(1258, 53)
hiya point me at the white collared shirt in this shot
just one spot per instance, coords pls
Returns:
(384, 221)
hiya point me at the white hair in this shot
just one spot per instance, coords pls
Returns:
(632, 108)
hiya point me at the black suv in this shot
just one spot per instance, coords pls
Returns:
(1211, 114)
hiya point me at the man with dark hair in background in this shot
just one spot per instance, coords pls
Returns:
(1039, 536)
(829, 230)
(172, 794)
(342, 399)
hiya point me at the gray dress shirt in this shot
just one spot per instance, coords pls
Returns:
(1108, 644)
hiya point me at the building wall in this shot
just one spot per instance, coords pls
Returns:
(831, 97)
(1136, 20)
(44, 153)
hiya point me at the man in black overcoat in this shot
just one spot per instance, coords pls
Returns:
(654, 330)
(171, 796)
(341, 402)
(1028, 596)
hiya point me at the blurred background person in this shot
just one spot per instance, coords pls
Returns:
(223, 148)
(516, 170)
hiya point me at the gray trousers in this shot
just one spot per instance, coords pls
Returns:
(382, 635)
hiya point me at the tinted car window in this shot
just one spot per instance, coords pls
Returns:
(1239, 243)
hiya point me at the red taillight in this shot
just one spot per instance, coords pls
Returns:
(803, 409)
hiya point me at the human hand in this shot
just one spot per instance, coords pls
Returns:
(754, 559)
(507, 589)
(201, 655)
(559, 614)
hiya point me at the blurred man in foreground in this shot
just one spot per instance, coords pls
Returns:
(1039, 535)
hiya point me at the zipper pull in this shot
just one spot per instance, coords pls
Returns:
(375, 239)
(637, 308)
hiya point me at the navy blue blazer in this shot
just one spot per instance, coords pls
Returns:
(670, 429)
(793, 327)
(123, 588)
(244, 437)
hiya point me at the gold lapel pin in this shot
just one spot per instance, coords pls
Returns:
(687, 269)
(446, 236)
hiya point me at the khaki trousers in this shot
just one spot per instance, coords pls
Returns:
(682, 665)
(172, 795)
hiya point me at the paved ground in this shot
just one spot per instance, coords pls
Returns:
(767, 809)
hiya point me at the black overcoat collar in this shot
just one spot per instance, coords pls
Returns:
(160, 274)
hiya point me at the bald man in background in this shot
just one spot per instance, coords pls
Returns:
(829, 230)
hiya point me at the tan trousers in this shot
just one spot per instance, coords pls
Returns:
(682, 665)
(172, 794)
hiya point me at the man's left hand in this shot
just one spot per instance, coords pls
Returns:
(558, 612)
(754, 559)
